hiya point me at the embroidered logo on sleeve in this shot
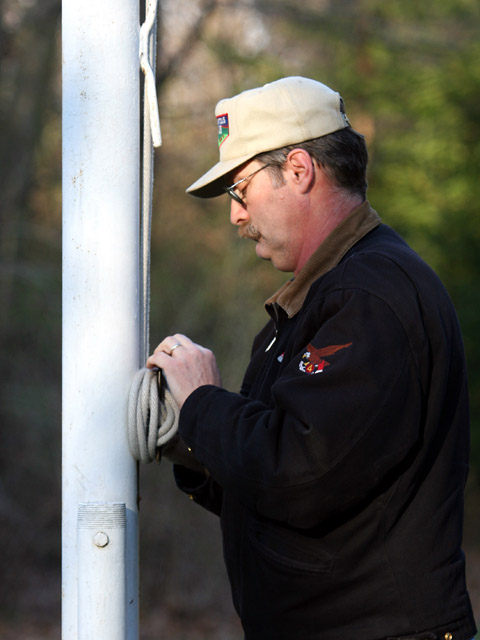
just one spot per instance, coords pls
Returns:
(313, 360)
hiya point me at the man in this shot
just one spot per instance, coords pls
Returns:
(338, 471)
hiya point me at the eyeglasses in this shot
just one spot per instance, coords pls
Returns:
(231, 190)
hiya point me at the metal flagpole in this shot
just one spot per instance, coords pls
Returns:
(100, 317)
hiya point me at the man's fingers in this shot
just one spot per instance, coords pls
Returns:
(183, 340)
(171, 343)
(156, 360)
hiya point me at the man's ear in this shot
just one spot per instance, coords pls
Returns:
(300, 169)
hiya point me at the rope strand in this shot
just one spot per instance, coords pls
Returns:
(151, 138)
(152, 411)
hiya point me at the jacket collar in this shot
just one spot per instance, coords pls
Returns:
(291, 296)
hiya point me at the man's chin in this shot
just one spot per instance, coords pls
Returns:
(260, 252)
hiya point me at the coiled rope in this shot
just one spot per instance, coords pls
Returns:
(152, 415)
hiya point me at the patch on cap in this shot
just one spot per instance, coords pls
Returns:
(343, 113)
(223, 130)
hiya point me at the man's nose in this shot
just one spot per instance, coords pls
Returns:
(238, 213)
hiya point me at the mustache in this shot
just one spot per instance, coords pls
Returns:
(249, 231)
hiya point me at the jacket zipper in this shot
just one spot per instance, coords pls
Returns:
(275, 322)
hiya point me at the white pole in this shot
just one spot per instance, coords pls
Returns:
(100, 317)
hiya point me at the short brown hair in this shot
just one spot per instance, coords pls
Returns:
(342, 154)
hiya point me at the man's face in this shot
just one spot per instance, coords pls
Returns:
(269, 216)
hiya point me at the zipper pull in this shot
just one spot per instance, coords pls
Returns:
(275, 319)
(271, 343)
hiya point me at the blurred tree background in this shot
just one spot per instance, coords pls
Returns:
(409, 73)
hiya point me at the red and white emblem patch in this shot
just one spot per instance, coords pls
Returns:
(313, 360)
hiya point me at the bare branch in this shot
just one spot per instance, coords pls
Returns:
(194, 34)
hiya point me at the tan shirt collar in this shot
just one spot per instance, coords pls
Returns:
(292, 294)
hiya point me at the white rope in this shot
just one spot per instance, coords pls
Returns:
(151, 138)
(148, 49)
(152, 416)
(152, 411)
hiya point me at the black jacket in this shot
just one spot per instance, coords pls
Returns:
(339, 469)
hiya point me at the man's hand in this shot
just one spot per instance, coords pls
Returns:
(186, 366)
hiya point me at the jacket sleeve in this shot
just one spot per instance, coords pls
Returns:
(332, 435)
(200, 487)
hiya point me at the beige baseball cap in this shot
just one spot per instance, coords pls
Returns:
(287, 111)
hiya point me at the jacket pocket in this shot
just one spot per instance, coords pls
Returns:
(290, 550)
